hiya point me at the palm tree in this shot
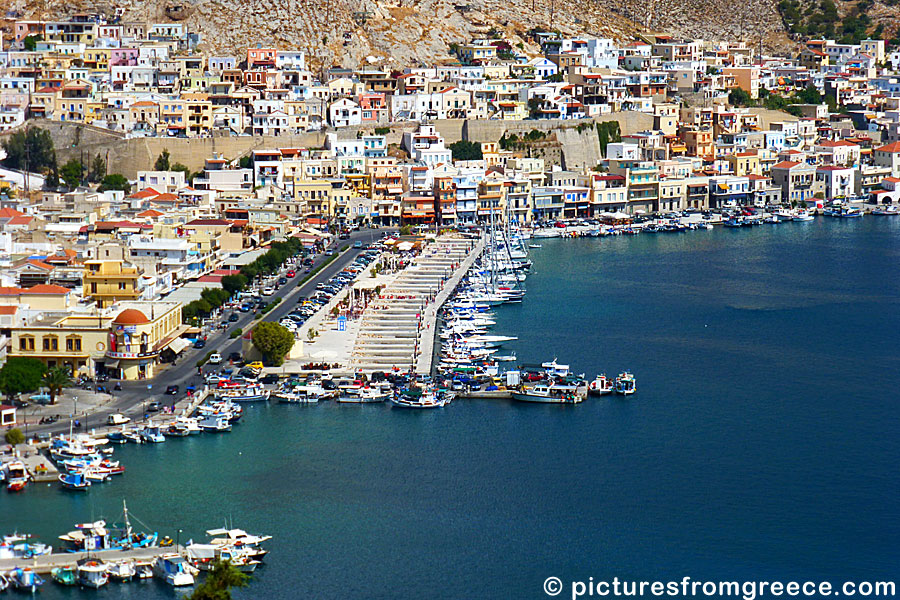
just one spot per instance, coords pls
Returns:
(56, 379)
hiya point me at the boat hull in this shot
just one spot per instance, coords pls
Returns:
(537, 399)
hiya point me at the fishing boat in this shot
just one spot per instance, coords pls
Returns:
(625, 384)
(215, 423)
(121, 570)
(64, 575)
(16, 475)
(419, 398)
(242, 393)
(74, 481)
(174, 569)
(188, 424)
(143, 570)
(98, 537)
(18, 545)
(601, 385)
(152, 435)
(535, 246)
(24, 579)
(92, 573)
(4, 583)
(365, 395)
(548, 394)
(802, 215)
(886, 211)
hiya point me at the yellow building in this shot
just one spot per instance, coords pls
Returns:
(744, 163)
(125, 342)
(109, 281)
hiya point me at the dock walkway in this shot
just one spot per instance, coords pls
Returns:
(43, 564)
(397, 330)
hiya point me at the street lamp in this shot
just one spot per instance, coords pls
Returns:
(177, 540)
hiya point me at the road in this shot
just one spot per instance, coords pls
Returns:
(135, 395)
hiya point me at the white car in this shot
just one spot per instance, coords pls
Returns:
(268, 291)
(215, 358)
(117, 419)
(214, 379)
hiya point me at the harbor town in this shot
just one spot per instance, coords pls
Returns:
(190, 243)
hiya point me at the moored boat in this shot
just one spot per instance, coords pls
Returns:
(24, 579)
(601, 385)
(121, 570)
(64, 575)
(625, 384)
(548, 394)
(92, 573)
(173, 569)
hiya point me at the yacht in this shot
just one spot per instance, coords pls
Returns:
(152, 435)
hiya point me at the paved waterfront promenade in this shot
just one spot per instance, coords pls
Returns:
(43, 564)
(397, 330)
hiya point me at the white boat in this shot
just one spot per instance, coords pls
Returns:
(601, 385)
(92, 573)
(802, 215)
(554, 369)
(174, 569)
(189, 424)
(121, 570)
(15, 474)
(548, 394)
(247, 393)
(625, 384)
(886, 211)
(425, 399)
(535, 246)
(215, 423)
(365, 395)
(152, 435)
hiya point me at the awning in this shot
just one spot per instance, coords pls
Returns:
(723, 187)
(178, 344)
(113, 364)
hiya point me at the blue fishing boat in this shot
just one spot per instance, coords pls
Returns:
(74, 481)
(23, 578)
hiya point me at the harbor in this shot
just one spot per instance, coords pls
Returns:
(298, 471)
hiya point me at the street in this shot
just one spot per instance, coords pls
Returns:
(132, 399)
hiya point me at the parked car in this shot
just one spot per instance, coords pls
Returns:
(215, 358)
(357, 244)
(291, 274)
(154, 406)
(171, 390)
(235, 357)
(282, 280)
(256, 365)
(200, 343)
(270, 379)
(233, 317)
(214, 379)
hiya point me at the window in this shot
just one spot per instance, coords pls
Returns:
(73, 344)
(26, 343)
(51, 344)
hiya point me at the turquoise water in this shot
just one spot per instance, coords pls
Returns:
(762, 442)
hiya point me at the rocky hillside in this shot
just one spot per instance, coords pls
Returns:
(401, 32)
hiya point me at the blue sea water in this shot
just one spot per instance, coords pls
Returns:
(762, 443)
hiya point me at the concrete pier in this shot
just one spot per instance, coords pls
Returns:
(43, 564)
(398, 329)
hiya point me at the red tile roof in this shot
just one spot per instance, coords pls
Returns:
(8, 310)
(47, 289)
(892, 148)
(785, 164)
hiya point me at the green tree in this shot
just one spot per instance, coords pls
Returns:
(162, 161)
(14, 437)
(55, 380)
(30, 42)
(465, 150)
(115, 181)
(608, 132)
(97, 171)
(71, 173)
(30, 150)
(20, 375)
(739, 97)
(184, 169)
(234, 283)
(219, 581)
(274, 341)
